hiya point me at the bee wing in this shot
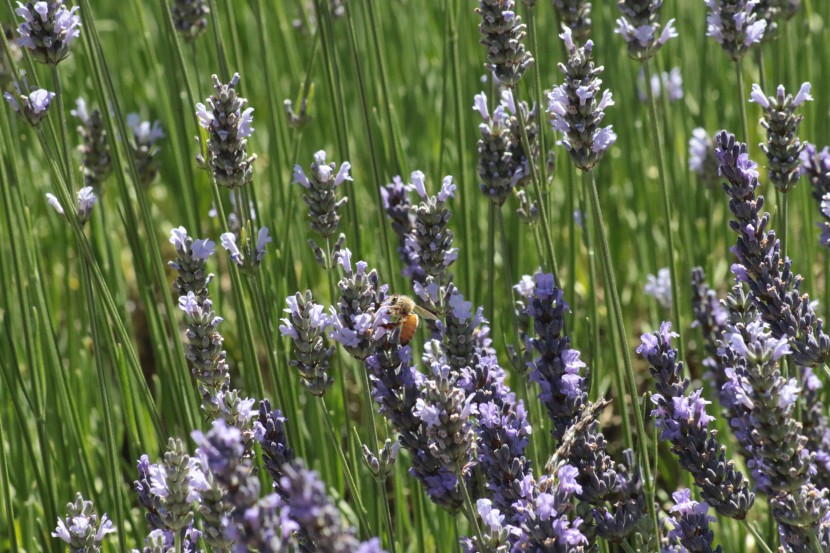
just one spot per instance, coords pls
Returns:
(418, 310)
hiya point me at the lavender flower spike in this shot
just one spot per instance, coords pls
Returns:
(735, 25)
(190, 17)
(815, 165)
(691, 524)
(306, 327)
(229, 127)
(398, 208)
(97, 164)
(145, 151)
(659, 287)
(48, 29)
(773, 286)
(321, 192)
(357, 320)
(502, 33)
(683, 420)
(191, 263)
(783, 147)
(576, 15)
(702, 158)
(81, 528)
(640, 29)
(576, 107)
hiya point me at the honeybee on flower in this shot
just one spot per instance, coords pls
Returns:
(403, 312)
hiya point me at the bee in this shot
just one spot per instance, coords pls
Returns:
(404, 314)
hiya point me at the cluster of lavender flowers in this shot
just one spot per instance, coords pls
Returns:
(576, 107)
(710, 317)
(306, 326)
(502, 33)
(683, 421)
(781, 464)
(783, 148)
(735, 24)
(557, 369)
(96, 161)
(190, 17)
(30, 103)
(48, 30)
(774, 288)
(145, 136)
(576, 15)
(690, 525)
(815, 164)
(640, 29)
(323, 204)
(86, 201)
(81, 529)
(702, 158)
(204, 352)
(398, 208)
(503, 165)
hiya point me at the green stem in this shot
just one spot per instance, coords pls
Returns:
(4, 483)
(758, 539)
(335, 442)
(657, 136)
(642, 446)
(471, 510)
(741, 103)
(491, 260)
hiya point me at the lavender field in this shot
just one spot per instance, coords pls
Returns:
(490, 276)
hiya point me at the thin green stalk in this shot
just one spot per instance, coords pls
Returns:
(758, 539)
(785, 221)
(762, 73)
(471, 510)
(360, 510)
(642, 446)
(491, 259)
(741, 103)
(594, 285)
(7, 490)
(674, 267)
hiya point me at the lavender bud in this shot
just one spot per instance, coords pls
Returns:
(306, 327)
(297, 121)
(431, 240)
(816, 165)
(398, 208)
(191, 263)
(683, 420)
(659, 287)
(640, 29)
(190, 17)
(691, 524)
(528, 210)
(502, 162)
(381, 467)
(576, 15)
(702, 158)
(228, 129)
(783, 147)
(248, 255)
(321, 192)
(81, 529)
(735, 25)
(164, 541)
(773, 286)
(502, 33)
(48, 29)
(31, 104)
(96, 164)
(144, 148)
(576, 108)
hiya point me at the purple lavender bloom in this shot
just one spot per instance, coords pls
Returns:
(48, 29)
(781, 464)
(702, 158)
(306, 326)
(251, 254)
(711, 317)
(503, 33)
(502, 162)
(576, 15)
(144, 144)
(97, 163)
(398, 208)
(640, 28)
(773, 286)
(691, 524)
(682, 418)
(783, 147)
(659, 287)
(735, 25)
(357, 321)
(576, 108)
(190, 17)
(229, 127)
(321, 192)
(191, 263)
(269, 431)
(431, 240)
(549, 521)
(815, 165)
(81, 528)
(30, 103)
